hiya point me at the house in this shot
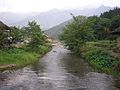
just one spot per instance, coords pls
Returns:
(3, 27)
(5, 38)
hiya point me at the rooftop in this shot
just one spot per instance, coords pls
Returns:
(3, 26)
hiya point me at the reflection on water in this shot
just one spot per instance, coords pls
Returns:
(57, 70)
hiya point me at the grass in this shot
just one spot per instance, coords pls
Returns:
(107, 44)
(109, 71)
(21, 57)
(98, 55)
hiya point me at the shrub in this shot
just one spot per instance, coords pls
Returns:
(14, 50)
(99, 57)
(116, 64)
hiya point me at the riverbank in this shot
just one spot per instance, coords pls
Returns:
(101, 57)
(20, 57)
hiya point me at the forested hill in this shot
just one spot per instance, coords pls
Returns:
(55, 31)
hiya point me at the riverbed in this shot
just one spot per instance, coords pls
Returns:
(57, 70)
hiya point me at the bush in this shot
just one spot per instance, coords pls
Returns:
(14, 50)
(116, 64)
(99, 57)
(39, 49)
(77, 33)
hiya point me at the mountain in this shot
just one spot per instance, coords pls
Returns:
(47, 19)
(90, 11)
(55, 17)
(55, 31)
(11, 18)
(51, 18)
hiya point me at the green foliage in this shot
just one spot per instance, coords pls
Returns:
(41, 49)
(35, 34)
(27, 54)
(107, 22)
(110, 14)
(107, 44)
(32, 33)
(8, 38)
(21, 56)
(77, 33)
(14, 50)
(17, 34)
(102, 28)
(18, 57)
(3, 37)
(116, 64)
(115, 22)
(99, 57)
(104, 22)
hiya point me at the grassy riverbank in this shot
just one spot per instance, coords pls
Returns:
(22, 46)
(21, 57)
(100, 55)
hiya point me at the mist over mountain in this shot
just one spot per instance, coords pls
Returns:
(11, 18)
(47, 19)
(51, 18)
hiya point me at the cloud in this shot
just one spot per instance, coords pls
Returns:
(44, 5)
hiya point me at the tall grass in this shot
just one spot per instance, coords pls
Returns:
(21, 57)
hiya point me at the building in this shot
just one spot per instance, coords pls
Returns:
(5, 32)
(3, 27)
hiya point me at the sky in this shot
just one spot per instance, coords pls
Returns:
(26, 6)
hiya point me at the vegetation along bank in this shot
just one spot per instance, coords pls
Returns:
(21, 46)
(96, 38)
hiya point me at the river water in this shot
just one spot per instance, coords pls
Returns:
(57, 70)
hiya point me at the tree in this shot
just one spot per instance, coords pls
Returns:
(77, 33)
(3, 39)
(101, 27)
(35, 34)
(17, 34)
(111, 13)
(115, 22)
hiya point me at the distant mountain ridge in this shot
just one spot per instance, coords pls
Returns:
(51, 18)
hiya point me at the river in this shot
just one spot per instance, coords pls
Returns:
(57, 70)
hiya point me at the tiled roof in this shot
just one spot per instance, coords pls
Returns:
(3, 26)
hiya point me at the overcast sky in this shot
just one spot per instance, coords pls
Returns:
(23, 6)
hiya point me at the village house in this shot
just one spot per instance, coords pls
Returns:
(5, 38)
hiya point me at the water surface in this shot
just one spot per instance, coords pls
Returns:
(57, 70)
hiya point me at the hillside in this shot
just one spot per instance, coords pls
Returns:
(56, 30)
